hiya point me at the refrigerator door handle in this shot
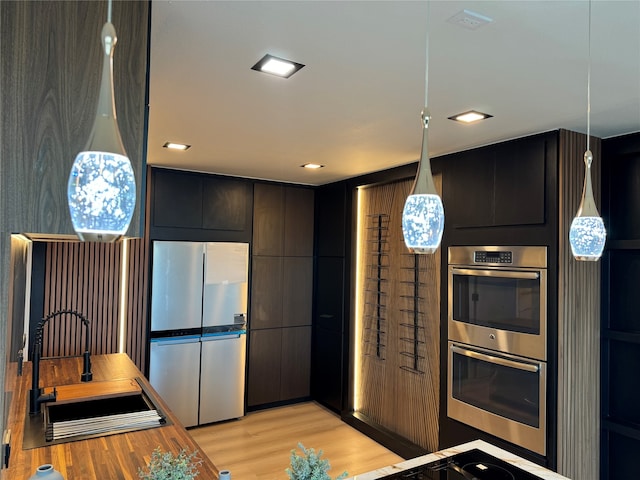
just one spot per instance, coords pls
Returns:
(161, 342)
(212, 338)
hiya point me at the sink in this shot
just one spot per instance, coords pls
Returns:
(92, 417)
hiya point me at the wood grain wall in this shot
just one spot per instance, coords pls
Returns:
(400, 305)
(578, 324)
(51, 68)
(87, 277)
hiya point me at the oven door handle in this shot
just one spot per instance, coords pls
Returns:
(495, 273)
(528, 367)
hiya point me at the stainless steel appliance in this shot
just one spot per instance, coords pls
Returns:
(473, 464)
(498, 298)
(498, 393)
(497, 349)
(198, 328)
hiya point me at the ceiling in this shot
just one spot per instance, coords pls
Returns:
(355, 107)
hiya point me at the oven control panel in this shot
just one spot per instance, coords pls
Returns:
(492, 257)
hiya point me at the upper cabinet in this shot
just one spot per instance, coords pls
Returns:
(298, 222)
(498, 185)
(268, 219)
(195, 206)
(177, 199)
(283, 220)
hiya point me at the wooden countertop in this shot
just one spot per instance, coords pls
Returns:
(110, 457)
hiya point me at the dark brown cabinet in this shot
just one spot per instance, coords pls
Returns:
(498, 185)
(226, 204)
(263, 383)
(295, 362)
(279, 364)
(298, 222)
(282, 220)
(281, 294)
(266, 292)
(177, 199)
(196, 206)
(297, 291)
(268, 219)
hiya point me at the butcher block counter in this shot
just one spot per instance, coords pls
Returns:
(116, 456)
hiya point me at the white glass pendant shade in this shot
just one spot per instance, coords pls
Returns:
(423, 213)
(587, 234)
(102, 190)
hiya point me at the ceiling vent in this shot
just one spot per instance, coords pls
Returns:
(469, 20)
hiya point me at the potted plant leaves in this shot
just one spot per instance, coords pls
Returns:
(167, 466)
(309, 466)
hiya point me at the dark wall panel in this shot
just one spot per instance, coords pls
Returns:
(52, 60)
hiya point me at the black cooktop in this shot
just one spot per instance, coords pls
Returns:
(471, 465)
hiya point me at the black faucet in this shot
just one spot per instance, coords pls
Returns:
(36, 397)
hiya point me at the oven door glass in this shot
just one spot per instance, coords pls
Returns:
(500, 394)
(499, 299)
(503, 386)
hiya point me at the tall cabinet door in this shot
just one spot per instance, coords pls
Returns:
(295, 362)
(265, 347)
(176, 289)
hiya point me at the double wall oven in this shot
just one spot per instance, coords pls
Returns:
(497, 342)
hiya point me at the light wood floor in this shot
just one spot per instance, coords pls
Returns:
(257, 446)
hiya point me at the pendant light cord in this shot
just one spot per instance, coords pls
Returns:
(426, 68)
(588, 81)
(109, 11)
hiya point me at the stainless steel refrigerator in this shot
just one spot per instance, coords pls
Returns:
(198, 328)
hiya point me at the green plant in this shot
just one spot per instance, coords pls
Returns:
(166, 466)
(310, 466)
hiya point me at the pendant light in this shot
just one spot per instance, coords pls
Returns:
(101, 191)
(587, 234)
(423, 213)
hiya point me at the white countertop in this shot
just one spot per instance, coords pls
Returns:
(479, 444)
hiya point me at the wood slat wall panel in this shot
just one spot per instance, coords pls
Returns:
(86, 277)
(393, 394)
(578, 324)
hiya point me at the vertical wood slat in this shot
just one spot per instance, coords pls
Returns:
(86, 277)
(578, 324)
(400, 400)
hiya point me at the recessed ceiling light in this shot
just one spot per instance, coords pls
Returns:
(277, 66)
(176, 146)
(470, 116)
(311, 166)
